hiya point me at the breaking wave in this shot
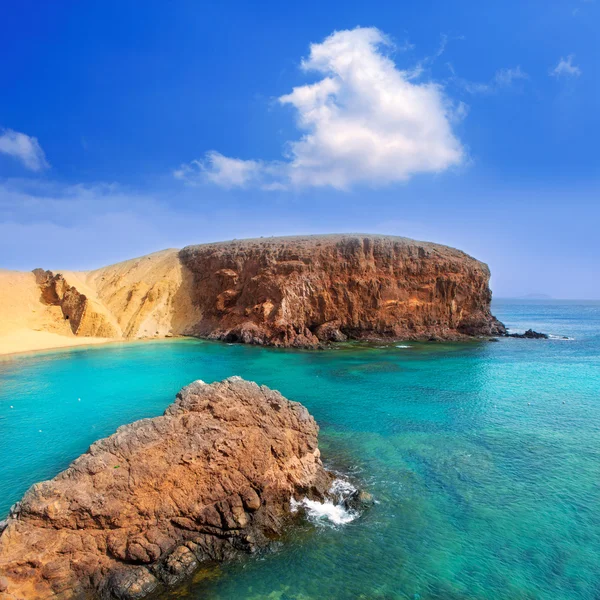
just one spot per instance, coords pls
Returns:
(331, 513)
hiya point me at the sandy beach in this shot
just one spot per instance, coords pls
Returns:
(27, 340)
(26, 324)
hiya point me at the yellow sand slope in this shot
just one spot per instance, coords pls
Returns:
(140, 298)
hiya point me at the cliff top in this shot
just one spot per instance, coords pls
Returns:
(312, 241)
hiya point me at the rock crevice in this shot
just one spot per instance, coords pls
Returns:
(76, 307)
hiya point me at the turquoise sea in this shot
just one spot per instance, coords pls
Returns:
(483, 458)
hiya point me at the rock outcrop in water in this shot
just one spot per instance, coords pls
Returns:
(144, 507)
(302, 291)
(530, 334)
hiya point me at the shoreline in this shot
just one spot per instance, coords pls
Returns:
(67, 343)
(80, 343)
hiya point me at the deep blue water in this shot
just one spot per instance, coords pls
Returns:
(484, 457)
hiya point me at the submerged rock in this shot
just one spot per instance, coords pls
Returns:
(358, 500)
(144, 507)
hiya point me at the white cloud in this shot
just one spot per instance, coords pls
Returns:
(566, 68)
(221, 170)
(363, 122)
(506, 77)
(24, 148)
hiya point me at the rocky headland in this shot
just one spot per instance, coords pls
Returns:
(302, 291)
(143, 508)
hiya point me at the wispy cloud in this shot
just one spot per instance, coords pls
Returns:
(566, 68)
(503, 78)
(425, 63)
(506, 77)
(222, 170)
(50, 224)
(578, 10)
(364, 122)
(24, 148)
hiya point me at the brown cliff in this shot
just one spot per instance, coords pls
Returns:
(144, 507)
(301, 291)
(297, 291)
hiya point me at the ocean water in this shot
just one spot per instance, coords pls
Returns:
(483, 458)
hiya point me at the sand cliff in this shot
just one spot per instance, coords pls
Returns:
(297, 291)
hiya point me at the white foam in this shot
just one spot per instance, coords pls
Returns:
(403, 346)
(331, 512)
(335, 513)
(563, 338)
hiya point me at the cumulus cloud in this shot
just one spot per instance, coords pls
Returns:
(566, 68)
(24, 148)
(363, 122)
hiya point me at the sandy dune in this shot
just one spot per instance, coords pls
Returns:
(145, 297)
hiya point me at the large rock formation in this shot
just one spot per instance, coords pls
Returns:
(301, 291)
(297, 291)
(142, 508)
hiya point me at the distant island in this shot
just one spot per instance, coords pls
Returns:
(535, 296)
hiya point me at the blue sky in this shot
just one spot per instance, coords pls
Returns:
(128, 127)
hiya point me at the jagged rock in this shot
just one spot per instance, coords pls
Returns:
(358, 500)
(530, 335)
(144, 507)
(76, 307)
(302, 291)
(330, 332)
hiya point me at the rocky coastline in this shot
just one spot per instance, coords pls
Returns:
(144, 508)
(301, 292)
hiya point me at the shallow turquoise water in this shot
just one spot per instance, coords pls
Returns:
(484, 458)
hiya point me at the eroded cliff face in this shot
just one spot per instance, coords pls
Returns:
(301, 291)
(85, 318)
(143, 508)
